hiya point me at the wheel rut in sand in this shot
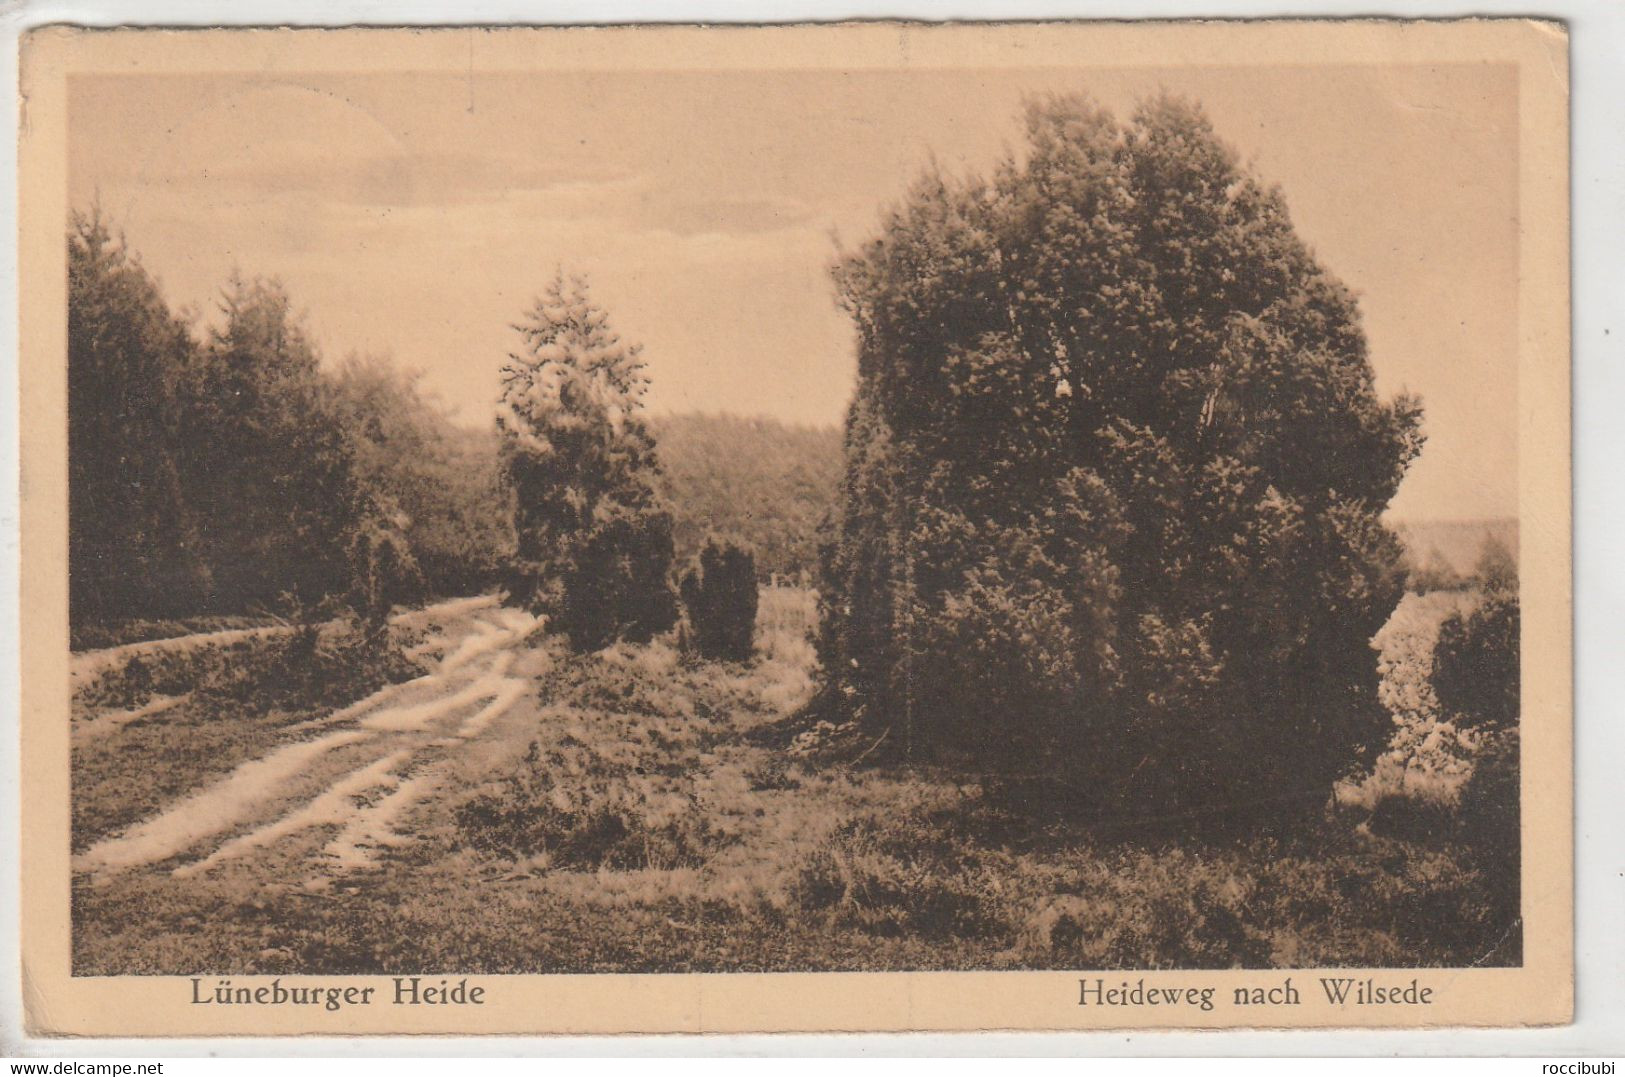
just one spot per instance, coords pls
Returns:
(359, 771)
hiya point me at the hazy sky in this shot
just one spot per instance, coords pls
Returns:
(417, 214)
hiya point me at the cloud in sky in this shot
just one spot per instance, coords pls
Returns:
(726, 215)
(418, 214)
(396, 178)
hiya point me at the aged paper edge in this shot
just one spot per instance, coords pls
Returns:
(1539, 993)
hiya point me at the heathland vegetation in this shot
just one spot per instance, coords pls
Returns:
(1086, 645)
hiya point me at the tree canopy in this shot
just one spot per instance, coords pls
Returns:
(1115, 466)
(225, 469)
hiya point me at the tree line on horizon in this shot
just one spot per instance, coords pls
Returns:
(225, 469)
(765, 484)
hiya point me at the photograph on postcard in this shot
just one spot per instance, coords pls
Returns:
(785, 516)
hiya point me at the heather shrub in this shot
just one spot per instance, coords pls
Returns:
(720, 597)
(177, 670)
(317, 664)
(892, 878)
(1172, 911)
(571, 808)
(614, 582)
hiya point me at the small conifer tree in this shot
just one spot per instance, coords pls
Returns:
(594, 543)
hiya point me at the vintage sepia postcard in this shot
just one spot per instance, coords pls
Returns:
(867, 527)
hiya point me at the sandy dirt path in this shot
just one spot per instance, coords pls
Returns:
(86, 666)
(339, 792)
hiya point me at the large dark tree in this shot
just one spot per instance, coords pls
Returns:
(265, 462)
(129, 536)
(594, 540)
(1115, 467)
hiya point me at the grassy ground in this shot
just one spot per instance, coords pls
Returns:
(631, 816)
